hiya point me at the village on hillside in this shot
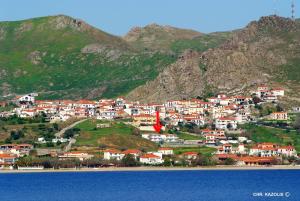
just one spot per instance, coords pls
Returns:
(236, 130)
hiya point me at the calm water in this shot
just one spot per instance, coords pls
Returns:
(151, 186)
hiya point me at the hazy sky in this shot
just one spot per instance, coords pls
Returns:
(118, 16)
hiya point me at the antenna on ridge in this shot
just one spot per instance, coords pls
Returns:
(275, 7)
(293, 9)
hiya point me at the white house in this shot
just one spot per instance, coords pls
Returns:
(7, 160)
(78, 155)
(151, 159)
(166, 151)
(279, 116)
(225, 122)
(158, 138)
(191, 155)
(113, 154)
(59, 117)
(278, 91)
(264, 150)
(27, 98)
(287, 151)
(107, 114)
(296, 109)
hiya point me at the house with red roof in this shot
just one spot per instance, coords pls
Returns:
(134, 152)
(277, 91)
(255, 160)
(151, 159)
(190, 155)
(264, 150)
(16, 149)
(225, 123)
(224, 156)
(288, 151)
(3, 103)
(225, 149)
(279, 116)
(7, 160)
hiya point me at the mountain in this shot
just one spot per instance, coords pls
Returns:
(266, 51)
(157, 37)
(63, 57)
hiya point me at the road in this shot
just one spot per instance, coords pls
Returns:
(72, 140)
(69, 146)
(60, 133)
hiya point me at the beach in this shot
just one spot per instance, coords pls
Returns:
(120, 169)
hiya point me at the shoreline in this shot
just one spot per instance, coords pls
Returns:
(141, 169)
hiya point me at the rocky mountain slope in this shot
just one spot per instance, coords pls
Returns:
(266, 51)
(157, 37)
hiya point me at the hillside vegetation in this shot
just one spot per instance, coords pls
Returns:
(118, 135)
(61, 57)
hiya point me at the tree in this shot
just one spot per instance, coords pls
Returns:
(8, 140)
(296, 123)
(69, 133)
(55, 126)
(229, 161)
(203, 160)
(49, 144)
(229, 126)
(256, 100)
(136, 132)
(33, 152)
(129, 161)
(167, 161)
(15, 135)
(279, 108)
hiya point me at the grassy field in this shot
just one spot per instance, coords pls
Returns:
(186, 136)
(119, 136)
(268, 134)
(201, 150)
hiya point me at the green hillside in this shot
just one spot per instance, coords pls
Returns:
(61, 57)
(201, 43)
(118, 135)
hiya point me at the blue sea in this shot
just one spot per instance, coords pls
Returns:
(219, 185)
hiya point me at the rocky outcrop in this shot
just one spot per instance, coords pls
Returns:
(2, 33)
(180, 80)
(157, 37)
(254, 55)
(107, 51)
(35, 57)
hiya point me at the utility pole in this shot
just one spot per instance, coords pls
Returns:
(275, 7)
(293, 9)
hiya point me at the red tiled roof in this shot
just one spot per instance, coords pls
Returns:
(131, 151)
(165, 148)
(114, 151)
(191, 153)
(150, 156)
(224, 156)
(7, 156)
(256, 159)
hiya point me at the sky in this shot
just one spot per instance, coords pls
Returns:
(119, 16)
